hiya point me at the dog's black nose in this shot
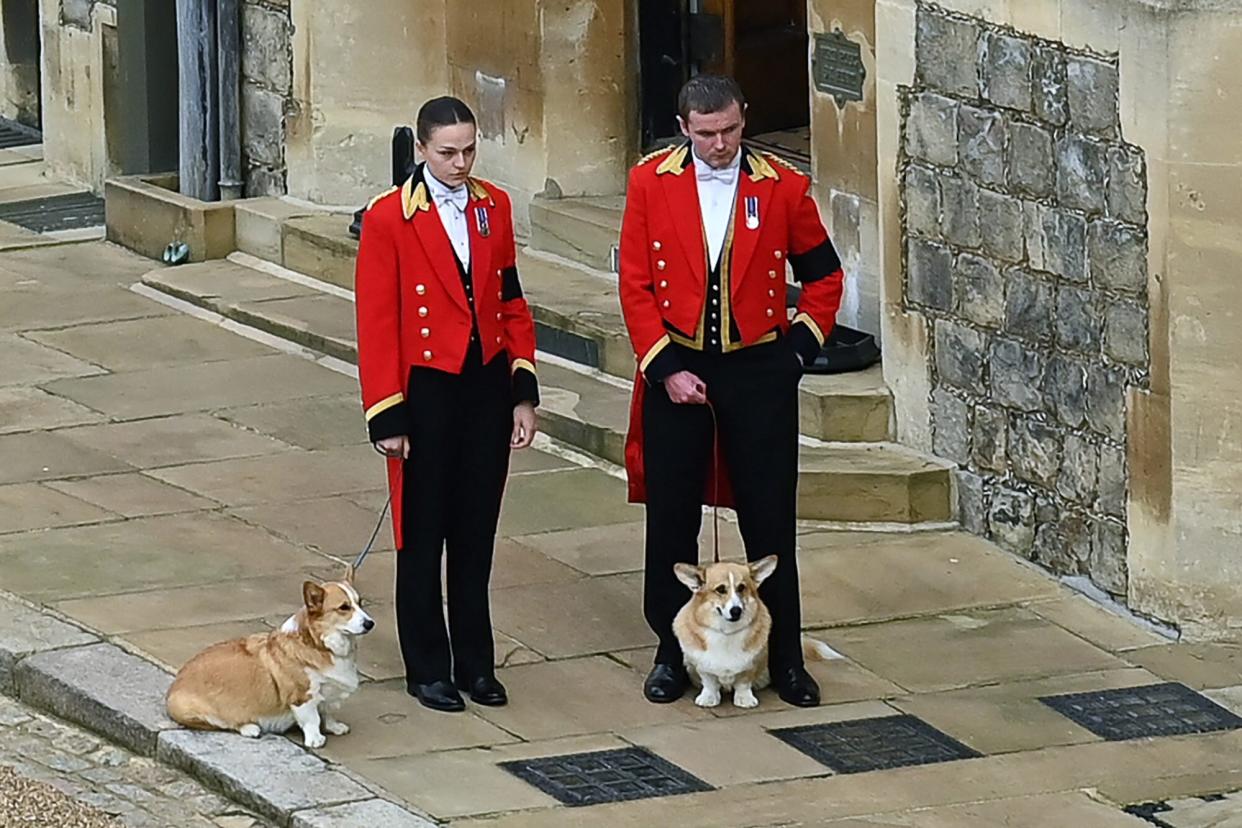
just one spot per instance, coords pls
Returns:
(735, 613)
(368, 624)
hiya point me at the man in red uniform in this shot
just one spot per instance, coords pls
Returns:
(709, 228)
(446, 350)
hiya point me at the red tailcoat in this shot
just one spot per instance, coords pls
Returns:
(412, 308)
(664, 269)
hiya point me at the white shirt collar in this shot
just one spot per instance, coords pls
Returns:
(439, 190)
(732, 167)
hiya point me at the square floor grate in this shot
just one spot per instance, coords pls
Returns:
(63, 212)
(1169, 709)
(605, 776)
(862, 745)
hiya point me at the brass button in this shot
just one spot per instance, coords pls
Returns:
(426, 332)
(420, 289)
(497, 317)
(655, 245)
(771, 293)
(779, 254)
(663, 283)
(422, 311)
(771, 274)
(497, 340)
(500, 272)
(666, 303)
(771, 312)
(427, 356)
(660, 265)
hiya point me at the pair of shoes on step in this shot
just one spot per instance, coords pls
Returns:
(668, 682)
(445, 696)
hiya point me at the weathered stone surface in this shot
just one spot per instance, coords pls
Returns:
(1011, 520)
(1092, 89)
(1049, 87)
(1127, 184)
(1007, 71)
(1015, 375)
(102, 687)
(1118, 255)
(950, 426)
(1106, 402)
(273, 775)
(930, 268)
(263, 125)
(373, 813)
(931, 129)
(971, 509)
(1077, 533)
(1082, 165)
(989, 439)
(981, 144)
(1112, 481)
(959, 355)
(1000, 225)
(1028, 305)
(959, 220)
(1035, 451)
(1050, 548)
(1125, 332)
(982, 291)
(1066, 388)
(1077, 480)
(267, 56)
(1064, 244)
(1032, 166)
(265, 181)
(24, 631)
(1107, 562)
(77, 13)
(947, 51)
(922, 197)
(1078, 320)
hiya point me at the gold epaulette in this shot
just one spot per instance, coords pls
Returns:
(373, 201)
(651, 156)
(771, 156)
(478, 189)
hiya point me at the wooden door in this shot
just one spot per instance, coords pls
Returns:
(765, 49)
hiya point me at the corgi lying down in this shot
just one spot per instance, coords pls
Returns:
(723, 630)
(268, 682)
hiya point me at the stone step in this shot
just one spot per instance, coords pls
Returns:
(863, 482)
(586, 230)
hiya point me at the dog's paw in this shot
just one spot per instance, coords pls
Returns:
(707, 698)
(336, 728)
(745, 698)
(251, 731)
(314, 740)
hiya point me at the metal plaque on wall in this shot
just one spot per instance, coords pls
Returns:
(837, 67)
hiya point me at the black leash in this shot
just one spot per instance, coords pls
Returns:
(716, 470)
(363, 556)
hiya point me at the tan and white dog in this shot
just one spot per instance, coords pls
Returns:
(723, 630)
(266, 683)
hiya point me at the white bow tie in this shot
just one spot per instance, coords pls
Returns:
(458, 198)
(724, 175)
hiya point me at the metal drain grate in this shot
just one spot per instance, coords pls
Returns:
(13, 134)
(63, 212)
(1170, 709)
(861, 745)
(605, 776)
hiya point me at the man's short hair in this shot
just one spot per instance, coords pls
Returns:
(439, 112)
(706, 94)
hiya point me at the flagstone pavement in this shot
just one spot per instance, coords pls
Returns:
(169, 483)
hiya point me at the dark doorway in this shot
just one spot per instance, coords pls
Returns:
(147, 96)
(21, 54)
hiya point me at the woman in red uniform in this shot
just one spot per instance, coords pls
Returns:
(446, 349)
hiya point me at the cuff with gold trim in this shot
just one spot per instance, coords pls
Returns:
(388, 418)
(660, 361)
(806, 338)
(525, 383)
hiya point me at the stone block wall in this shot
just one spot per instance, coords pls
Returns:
(267, 94)
(1025, 244)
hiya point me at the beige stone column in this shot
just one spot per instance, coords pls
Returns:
(73, 97)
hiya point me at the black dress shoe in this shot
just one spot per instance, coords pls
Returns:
(665, 683)
(485, 690)
(439, 695)
(795, 686)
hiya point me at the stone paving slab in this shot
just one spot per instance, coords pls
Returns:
(150, 343)
(372, 813)
(271, 774)
(25, 631)
(131, 495)
(332, 525)
(25, 408)
(25, 506)
(173, 440)
(27, 362)
(1199, 666)
(40, 455)
(102, 687)
(566, 500)
(33, 310)
(173, 647)
(318, 423)
(1086, 619)
(607, 612)
(208, 284)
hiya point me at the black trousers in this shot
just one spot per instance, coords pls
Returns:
(454, 480)
(754, 392)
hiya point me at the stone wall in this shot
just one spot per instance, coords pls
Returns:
(267, 93)
(1025, 243)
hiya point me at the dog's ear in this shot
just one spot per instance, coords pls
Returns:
(312, 595)
(691, 576)
(762, 568)
(349, 574)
